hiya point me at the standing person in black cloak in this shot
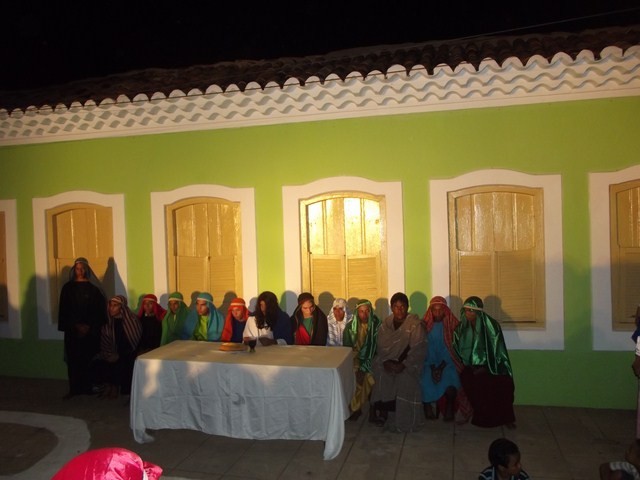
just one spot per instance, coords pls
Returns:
(81, 314)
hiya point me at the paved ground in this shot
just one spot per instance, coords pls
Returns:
(39, 432)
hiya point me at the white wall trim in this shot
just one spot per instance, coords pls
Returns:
(604, 337)
(552, 337)
(613, 73)
(245, 196)
(12, 328)
(47, 328)
(291, 196)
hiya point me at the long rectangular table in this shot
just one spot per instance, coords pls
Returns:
(278, 392)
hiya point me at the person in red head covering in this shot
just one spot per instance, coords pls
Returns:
(150, 314)
(108, 464)
(235, 321)
(440, 374)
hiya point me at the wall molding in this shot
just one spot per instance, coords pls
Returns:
(612, 73)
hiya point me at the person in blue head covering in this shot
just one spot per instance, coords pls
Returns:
(204, 322)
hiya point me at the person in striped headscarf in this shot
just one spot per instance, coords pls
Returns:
(118, 344)
(440, 381)
(235, 321)
(361, 333)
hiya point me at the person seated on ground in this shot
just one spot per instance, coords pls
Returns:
(173, 321)
(336, 322)
(81, 315)
(235, 321)
(150, 314)
(308, 322)
(629, 467)
(440, 381)
(361, 333)
(108, 464)
(487, 378)
(203, 323)
(504, 457)
(118, 344)
(269, 324)
(397, 367)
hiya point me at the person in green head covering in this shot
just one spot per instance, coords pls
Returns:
(173, 321)
(205, 322)
(487, 377)
(361, 333)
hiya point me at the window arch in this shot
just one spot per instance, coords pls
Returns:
(47, 275)
(245, 262)
(551, 337)
(391, 192)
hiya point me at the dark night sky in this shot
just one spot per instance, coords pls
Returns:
(48, 43)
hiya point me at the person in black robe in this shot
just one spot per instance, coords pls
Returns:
(81, 314)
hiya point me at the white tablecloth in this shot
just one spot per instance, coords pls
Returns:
(278, 392)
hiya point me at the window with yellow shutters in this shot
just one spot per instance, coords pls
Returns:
(624, 203)
(79, 230)
(343, 247)
(496, 249)
(204, 247)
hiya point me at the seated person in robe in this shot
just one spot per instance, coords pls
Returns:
(440, 380)
(397, 368)
(269, 324)
(487, 377)
(150, 315)
(173, 321)
(118, 344)
(336, 322)
(308, 322)
(361, 333)
(235, 321)
(203, 323)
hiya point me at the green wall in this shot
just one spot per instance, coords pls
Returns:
(569, 138)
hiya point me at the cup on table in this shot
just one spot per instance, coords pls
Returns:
(251, 341)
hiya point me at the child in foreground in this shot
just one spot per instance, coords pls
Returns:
(623, 470)
(504, 457)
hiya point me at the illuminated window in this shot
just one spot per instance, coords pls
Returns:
(343, 246)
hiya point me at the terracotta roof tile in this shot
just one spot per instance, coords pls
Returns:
(341, 63)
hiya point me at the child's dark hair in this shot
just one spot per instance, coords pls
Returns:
(500, 450)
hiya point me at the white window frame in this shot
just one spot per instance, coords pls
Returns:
(12, 328)
(245, 196)
(291, 196)
(552, 336)
(604, 337)
(47, 328)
